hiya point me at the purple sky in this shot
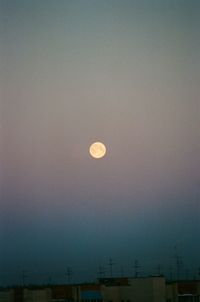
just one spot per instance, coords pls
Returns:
(122, 72)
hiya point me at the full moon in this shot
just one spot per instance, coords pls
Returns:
(97, 150)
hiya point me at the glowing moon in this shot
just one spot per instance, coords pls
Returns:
(97, 150)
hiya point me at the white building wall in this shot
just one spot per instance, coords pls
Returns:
(6, 296)
(110, 293)
(37, 295)
(140, 290)
(159, 289)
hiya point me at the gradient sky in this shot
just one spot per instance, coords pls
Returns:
(122, 72)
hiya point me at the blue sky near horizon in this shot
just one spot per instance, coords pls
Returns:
(122, 72)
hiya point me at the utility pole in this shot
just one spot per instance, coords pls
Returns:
(122, 272)
(24, 277)
(186, 274)
(158, 269)
(170, 273)
(101, 272)
(111, 263)
(178, 263)
(136, 268)
(69, 274)
(49, 280)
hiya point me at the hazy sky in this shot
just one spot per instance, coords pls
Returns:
(122, 72)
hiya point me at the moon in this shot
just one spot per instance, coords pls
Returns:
(97, 150)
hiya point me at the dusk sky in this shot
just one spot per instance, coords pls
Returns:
(124, 72)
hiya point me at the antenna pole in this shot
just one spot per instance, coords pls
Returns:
(69, 274)
(111, 263)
